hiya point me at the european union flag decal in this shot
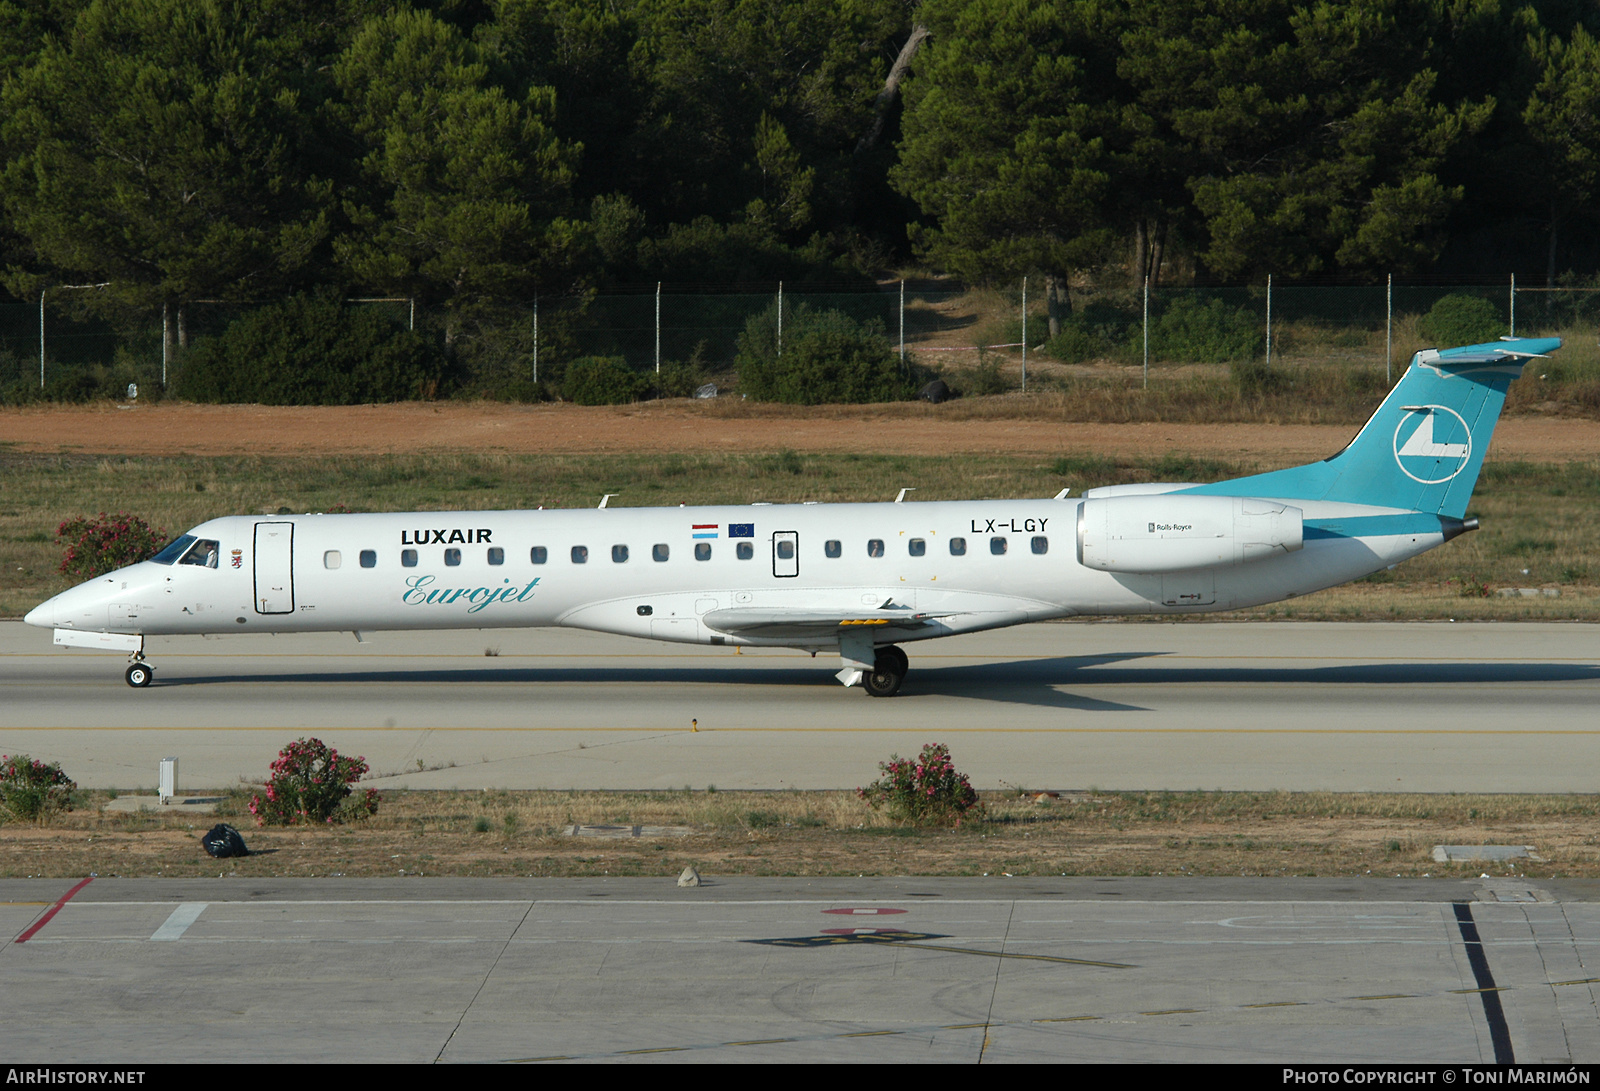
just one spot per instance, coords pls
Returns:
(741, 530)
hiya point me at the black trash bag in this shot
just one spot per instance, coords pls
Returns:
(935, 392)
(224, 840)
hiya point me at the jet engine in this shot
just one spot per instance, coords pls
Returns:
(1173, 532)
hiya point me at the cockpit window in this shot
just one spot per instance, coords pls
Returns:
(203, 554)
(171, 554)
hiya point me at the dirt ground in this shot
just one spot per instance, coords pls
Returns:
(83, 844)
(686, 427)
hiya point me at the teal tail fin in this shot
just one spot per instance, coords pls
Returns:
(1423, 448)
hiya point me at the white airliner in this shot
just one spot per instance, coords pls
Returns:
(859, 579)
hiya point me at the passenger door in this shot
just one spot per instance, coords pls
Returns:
(274, 568)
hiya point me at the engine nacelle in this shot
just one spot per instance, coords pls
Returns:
(1170, 533)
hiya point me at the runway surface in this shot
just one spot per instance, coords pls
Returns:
(954, 971)
(1397, 707)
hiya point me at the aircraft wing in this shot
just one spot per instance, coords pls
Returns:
(801, 624)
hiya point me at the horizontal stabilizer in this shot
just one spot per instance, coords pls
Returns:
(1521, 348)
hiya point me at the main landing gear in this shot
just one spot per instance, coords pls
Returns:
(140, 674)
(888, 671)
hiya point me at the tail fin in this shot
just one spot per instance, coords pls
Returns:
(1423, 448)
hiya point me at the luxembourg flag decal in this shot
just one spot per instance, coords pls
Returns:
(704, 530)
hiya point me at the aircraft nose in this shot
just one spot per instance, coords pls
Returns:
(43, 615)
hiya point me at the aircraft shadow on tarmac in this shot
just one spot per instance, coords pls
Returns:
(1047, 682)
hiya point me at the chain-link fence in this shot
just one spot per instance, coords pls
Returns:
(64, 345)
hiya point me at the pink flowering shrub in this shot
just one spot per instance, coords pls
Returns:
(104, 544)
(311, 783)
(927, 791)
(33, 790)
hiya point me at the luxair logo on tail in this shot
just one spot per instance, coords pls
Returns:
(1432, 443)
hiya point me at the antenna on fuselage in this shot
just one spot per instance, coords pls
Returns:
(607, 497)
(901, 498)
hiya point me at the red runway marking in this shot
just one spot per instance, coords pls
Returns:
(52, 911)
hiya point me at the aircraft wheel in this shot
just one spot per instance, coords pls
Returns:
(898, 656)
(140, 675)
(884, 679)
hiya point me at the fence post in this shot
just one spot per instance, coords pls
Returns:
(1513, 304)
(902, 325)
(1269, 319)
(658, 329)
(1024, 335)
(536, 338)
(1388, 333)
(780, 318)
(411, 322)
(1147, 333)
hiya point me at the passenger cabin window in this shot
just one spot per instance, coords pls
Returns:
(330, 559)
(408, 558)
(538, 554)
(832, 548)
(958, 547)
(369, 558)
(744, 551)
(785, 550)
(619, 554)
(580, 554)
(1041, 544)
(497, 555)
(702, 551)
(204, 554)
(172, 552)
(918, 547)
(997, 546)
(875, 547)
(660, 551)
(452, 557)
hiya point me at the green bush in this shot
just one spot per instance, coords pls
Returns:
(32, 791)
(106, 543)
(19, 379)
(983, 378)
(827, 357)
(1206, 331)
(1461, 320)
(311, 782)
(1097, 331)
(927, 791)
(681, 378)
(311, 350)
(1257, 377)
(604, 380)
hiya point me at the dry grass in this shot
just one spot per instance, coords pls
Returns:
(834, 833)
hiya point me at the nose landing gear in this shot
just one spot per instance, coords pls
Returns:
(140, 674)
